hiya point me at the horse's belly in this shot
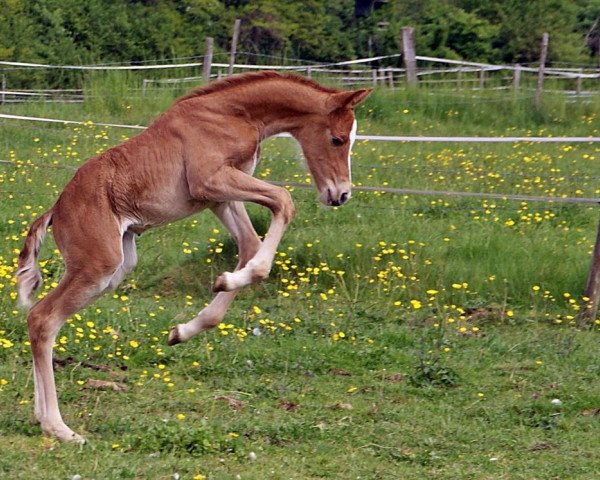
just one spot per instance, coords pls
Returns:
(156, 214)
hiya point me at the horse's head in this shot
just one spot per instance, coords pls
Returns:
(326, 140)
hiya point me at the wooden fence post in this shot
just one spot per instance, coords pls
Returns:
(589, 309)
(459, 75)
(409, 56)
(540, 78)
(207, 62)
(517, 77)
(374, 76)
(309, 71)
(481, 78)
(144, 86)
(3, 96)
(234, 41)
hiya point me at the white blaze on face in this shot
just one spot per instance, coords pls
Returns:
(352, 139)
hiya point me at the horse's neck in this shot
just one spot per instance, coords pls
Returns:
(277, 106)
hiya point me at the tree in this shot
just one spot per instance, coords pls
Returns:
(76, 32)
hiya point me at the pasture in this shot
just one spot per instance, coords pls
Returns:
(398, 336)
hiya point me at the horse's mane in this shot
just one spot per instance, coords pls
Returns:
(252, 77)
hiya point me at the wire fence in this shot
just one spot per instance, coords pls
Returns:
(462, 65)
(382, 70)
(408, 169)
(362, 188)
(386, 138)
(375, 138)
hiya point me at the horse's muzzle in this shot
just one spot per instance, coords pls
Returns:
(343, 198)
(334, 196)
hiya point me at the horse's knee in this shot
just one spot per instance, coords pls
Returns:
(286, 206)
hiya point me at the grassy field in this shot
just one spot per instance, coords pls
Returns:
(398, 337)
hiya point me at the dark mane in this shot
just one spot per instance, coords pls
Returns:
(251, 77)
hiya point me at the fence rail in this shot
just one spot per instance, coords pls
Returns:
(382, 70)
(376, 138)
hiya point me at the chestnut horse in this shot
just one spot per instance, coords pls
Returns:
(201, 153)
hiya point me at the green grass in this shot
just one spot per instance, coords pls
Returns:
(435, 354)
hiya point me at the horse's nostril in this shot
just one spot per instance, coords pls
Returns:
(332, 201)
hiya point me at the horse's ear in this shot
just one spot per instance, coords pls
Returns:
(359, 96)
(347, 99)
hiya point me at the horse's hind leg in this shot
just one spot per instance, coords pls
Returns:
(235, 218)
(85, 279)
(74, 291)
(209, 317)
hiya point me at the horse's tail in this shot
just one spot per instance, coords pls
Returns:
(28, 274)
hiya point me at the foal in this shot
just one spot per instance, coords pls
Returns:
(201, 153)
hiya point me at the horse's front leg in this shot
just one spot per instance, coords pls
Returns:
(234, 217)
(230, 184)
(279, 201)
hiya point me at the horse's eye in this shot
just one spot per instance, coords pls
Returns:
(337, 141)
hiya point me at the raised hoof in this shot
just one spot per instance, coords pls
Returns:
(174, 338)
(221, 284)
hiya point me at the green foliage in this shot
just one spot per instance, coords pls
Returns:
(75, 32)
(523, 24)
(430, 372)
(174, 437)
